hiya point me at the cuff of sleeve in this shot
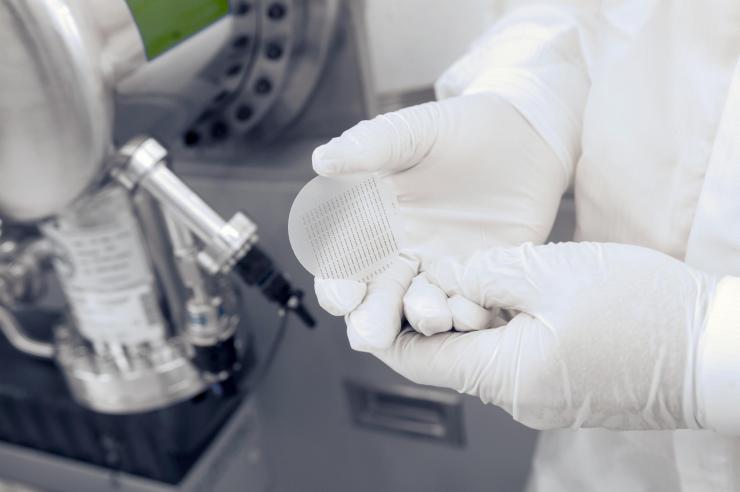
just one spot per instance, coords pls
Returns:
(719, 370)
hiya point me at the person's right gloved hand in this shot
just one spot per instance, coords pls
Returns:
(607, 335)
(469, 173)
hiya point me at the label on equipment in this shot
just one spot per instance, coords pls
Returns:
(105, 272)
(164, 23)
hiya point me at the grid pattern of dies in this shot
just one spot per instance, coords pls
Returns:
(351, 234)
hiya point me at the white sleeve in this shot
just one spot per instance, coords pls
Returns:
(718, 365)
(535, 58)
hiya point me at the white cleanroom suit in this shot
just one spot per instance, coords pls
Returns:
(638, 104)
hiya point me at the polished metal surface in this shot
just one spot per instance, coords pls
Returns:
(154, 228)
(120, 379)
(22, 271)
(103, 263)
(315, 23)
(117, 357)
(259, 82)
(141, 162)
(55, 108)
(22, 281)
(64, 60)
(207, 320)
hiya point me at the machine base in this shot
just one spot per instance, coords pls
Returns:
(232, 461)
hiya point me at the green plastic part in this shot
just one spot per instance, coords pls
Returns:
(164, 23)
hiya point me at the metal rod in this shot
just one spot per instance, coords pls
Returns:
(186, 253)
(151, 218)
(178, 198)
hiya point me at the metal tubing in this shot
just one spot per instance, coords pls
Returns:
(12, 330)
(141, 163)
(186, 254)
(178, 198)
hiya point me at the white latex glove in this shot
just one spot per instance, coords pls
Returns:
(469, 173)
(606, 336)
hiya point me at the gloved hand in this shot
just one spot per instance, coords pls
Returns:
(469, 173)
(606, 336)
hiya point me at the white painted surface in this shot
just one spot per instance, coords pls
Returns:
(413, 41)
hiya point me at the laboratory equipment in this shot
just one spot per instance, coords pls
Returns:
(148, 271)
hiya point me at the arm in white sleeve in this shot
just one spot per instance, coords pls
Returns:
(537, 59)
(718, 367)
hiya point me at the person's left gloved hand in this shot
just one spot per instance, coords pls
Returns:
(469, 172)
(606, 336)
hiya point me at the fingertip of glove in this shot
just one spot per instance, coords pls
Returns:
(340, 156)
(356, 342)
(467, 315)
(323, 162)
(367, 333)
(426, 308)
(339, 297)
